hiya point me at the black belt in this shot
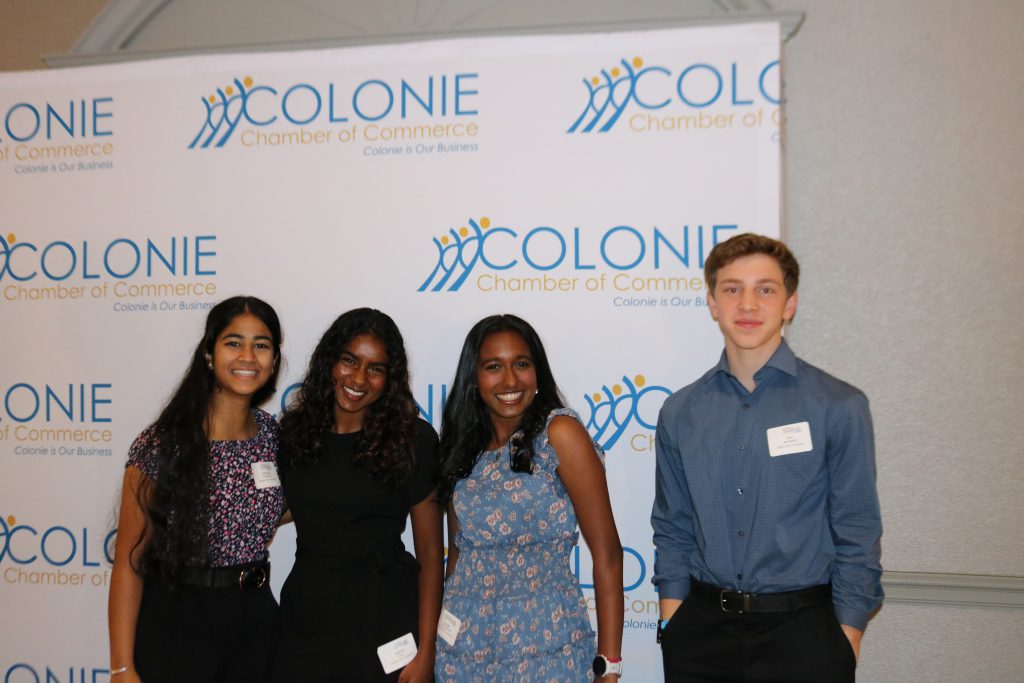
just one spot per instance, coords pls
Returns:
(739, 602)
(245, 576)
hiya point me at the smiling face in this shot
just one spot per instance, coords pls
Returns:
(506, 379)
(243, 356)
(751, 305)
(360, 379)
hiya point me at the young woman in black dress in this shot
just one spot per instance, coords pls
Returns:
(189, 598)
(356, 463)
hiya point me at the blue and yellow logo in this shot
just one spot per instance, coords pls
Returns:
(614, 408)
(458, 252)
(753, 89)
(609, 93)
(5, 254)
(224, 109)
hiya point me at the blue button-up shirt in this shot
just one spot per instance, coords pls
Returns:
(730, 514)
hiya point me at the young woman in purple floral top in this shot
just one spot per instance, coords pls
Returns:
(189, 597)
(518, 471)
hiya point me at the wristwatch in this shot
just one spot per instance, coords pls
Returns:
(606, 665)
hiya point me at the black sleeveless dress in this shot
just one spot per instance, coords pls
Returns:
(353, 586)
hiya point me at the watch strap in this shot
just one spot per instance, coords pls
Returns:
(611, 665)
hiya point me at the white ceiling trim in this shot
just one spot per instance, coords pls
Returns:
(121, 20)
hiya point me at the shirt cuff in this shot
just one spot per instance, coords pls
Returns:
(849, 616)
(673, 589)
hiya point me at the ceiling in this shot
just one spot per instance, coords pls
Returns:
(128, 29)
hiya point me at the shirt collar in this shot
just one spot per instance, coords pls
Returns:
(783, 359)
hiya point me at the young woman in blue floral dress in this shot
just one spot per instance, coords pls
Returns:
(518, 471)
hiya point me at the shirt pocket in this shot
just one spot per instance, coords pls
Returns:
(793, 474)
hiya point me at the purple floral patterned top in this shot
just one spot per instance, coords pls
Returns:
(243, 519)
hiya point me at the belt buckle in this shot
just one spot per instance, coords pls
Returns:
(253, 577)
(724, 595)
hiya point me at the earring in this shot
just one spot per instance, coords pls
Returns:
(209, 363)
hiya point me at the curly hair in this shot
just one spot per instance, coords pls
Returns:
(384, 446)
(176, 503)
(466, 426)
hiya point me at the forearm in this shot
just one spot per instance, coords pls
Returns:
(672, 571)
(856, 594)
(667, 607)
(671, 520)
(431, 582)
(123, 614)
(608, 594)
(429, 541)
(854, 635)
(855, 519)
(126, 584)
(856, 574)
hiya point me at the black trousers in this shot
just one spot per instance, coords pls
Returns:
(205, 635)
(701, 644)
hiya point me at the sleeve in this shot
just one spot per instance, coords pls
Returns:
(143, 453)
(272, 430)
(854, 514)
(423, 479)
(671, 516)
(546, 456)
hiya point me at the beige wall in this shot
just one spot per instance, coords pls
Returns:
(905, 194)
(30, 29)
(905, 204)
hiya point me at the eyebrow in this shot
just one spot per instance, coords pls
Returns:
(236, 335)
(763, 280)
(519, 357)
(346, 352)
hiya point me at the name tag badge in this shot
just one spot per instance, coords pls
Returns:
(265, 475)
(789, 439)
(448, 627)
(397, 653)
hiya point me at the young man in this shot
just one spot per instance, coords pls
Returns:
(765, 518)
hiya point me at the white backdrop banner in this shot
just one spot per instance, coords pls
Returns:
(577, 181)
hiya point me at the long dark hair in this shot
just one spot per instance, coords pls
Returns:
(384, 446)
(466, 425)
(176, 503)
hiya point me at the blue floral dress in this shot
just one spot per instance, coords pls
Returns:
(524, 619)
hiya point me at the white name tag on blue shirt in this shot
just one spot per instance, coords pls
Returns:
(265, 475)
(448, 627)
(790, 439)
(397, 653)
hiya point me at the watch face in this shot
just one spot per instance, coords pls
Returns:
(599, 666)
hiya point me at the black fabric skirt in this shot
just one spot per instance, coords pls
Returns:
(335, 615)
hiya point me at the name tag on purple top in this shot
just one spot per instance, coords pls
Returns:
(264, 474)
